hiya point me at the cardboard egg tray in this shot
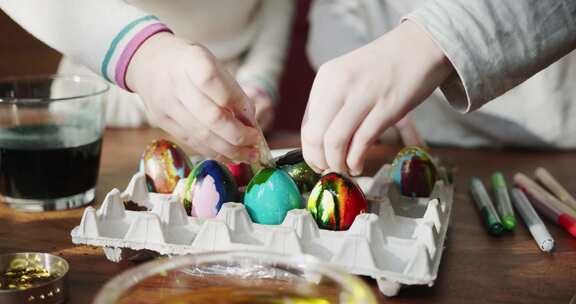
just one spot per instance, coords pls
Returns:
(399, 242)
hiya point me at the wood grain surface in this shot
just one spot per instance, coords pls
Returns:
(475, 268)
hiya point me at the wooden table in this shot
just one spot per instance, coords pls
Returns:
(475, 268)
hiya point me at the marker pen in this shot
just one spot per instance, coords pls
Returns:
(547, 204)
(532, 220)
(484, 204)
(503, 204)
(544, 177)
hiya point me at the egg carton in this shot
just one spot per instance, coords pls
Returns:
(399, 242)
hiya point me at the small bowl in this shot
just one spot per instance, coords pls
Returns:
(235, 277)
(52, 291)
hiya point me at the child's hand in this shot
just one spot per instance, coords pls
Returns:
(263, 105)
(187, 93)
(359, 95)
(404, 132)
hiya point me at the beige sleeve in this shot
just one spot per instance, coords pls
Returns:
(495, 45)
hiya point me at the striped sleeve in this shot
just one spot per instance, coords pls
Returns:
(102, 34)
(263, 64)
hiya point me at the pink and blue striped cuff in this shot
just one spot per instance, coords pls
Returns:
(124, 46)
(262, 85)
(132, 47)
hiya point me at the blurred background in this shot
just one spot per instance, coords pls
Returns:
(22, 54)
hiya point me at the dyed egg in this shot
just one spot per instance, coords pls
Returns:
(293, 163)
(414, 172)
(164, 164)
(335, 202)
(208, 187)
(241, 172)
(270, 195)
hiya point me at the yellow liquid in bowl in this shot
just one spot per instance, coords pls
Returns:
(240, 295)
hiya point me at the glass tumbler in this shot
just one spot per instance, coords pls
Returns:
(50, 140)
(235, 277)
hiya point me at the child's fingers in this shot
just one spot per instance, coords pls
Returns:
(202, 135)
(206, 73)
(171, 126)
(219, 120)
(339, 135)
(409, 133)
(324, 103)
(210, 78)
(379, 119)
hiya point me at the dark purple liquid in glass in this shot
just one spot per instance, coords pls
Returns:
(48, 168)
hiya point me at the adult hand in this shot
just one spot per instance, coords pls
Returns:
(357, 96)
(190, 95)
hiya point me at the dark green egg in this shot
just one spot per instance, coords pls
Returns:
(293, 163)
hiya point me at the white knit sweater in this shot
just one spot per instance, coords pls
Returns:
(249, 36)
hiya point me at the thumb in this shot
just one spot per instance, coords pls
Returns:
(245, 111)
(409, 133)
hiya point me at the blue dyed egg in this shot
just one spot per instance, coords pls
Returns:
(208, 187)
(414, 172)
(270, 195)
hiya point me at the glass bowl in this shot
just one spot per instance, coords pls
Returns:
(235, 277)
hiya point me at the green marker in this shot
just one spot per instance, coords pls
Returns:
(503, 203)
(484, 204)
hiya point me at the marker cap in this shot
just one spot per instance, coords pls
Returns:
(496, 229)
(547, 245)
(498, 180)
(542, 237)
(509, 222)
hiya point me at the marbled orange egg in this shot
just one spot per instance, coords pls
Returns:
(164, 164)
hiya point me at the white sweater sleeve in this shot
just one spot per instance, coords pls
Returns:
(495, 45)
(263, 64)
(101, 34)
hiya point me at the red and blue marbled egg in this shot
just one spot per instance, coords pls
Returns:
(164, 164)
(335, 202)
(414, 172)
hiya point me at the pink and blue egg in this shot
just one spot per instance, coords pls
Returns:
(208, 187)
